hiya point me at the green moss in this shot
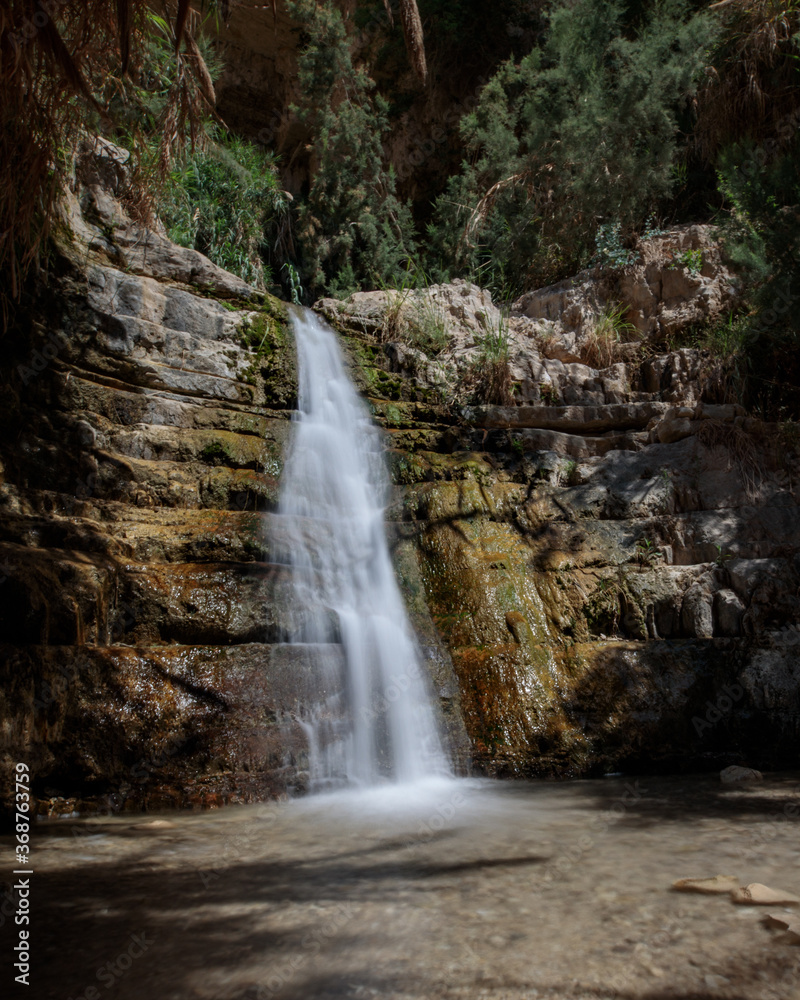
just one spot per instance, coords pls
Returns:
(265, 333)
(406, 469)
(259, 332)
(213, 454)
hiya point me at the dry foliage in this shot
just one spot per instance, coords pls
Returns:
(741, 449)
(603, 347)
(61, 63)
(487, 381)
(483, 209)
(751, 89)
(599, 350)
(394, 324)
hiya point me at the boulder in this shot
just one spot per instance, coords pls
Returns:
(736, 775)
(696, 617)
(728, 611)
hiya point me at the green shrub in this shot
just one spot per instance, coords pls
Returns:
(427, 325)
(353, 230)
(761, 237)
(609, 250)
(692, 260)
(226, 201)
(582, 132)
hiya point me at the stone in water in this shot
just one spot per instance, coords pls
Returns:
(757, 894)
(719, 884)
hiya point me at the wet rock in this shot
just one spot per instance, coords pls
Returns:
(736, 775)
(577, 549)
(136, 606)
(717, 885)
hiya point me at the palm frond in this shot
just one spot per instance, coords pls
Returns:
(180, 22)
(50, 73)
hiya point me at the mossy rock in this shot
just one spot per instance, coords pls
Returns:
(369, 369)
(266, 333)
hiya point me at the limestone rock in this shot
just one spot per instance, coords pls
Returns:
(728, 612)
(735, 775)
(674, 429)
(756, 894)
(662, 294)
(696, 616)
(96, 218)
(789, 923)
(146, 459)
(149, 431)
(716, 885)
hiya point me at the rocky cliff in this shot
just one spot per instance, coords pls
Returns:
(146, 409)
(601, 563)
(612, 555)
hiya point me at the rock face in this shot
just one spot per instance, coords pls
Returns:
(146, 410)
(678, 281)
(612, 556)
(602, 565)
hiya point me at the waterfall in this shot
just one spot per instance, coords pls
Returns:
(374, 720)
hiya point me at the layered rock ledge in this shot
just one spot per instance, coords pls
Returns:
(614, 549)
(602, 566)
(147, 405)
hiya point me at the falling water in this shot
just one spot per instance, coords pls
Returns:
(374, 719)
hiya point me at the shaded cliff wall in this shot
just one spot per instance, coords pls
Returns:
(258, 83)
(146, 407)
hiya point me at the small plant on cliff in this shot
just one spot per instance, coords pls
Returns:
(609, 249)
(491, 370)
(603, 610)
(646, 553)
(721, 557)
(427, 324)
(548, 394)
(651, 230)
(601, 347)
(567, 472)
(692, 260)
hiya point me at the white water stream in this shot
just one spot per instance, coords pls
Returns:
(374, 720)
